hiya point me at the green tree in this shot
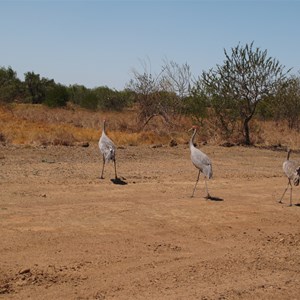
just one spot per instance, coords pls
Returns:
(90, 100)
(10, 85)
(286, 104)
(196, 105)
(111, 99)
(77, 93)
(247, 77)
(108, 98)
(56, 96)
(36, 87)
(102, 97)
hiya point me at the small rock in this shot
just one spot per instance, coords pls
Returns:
(82, 144)
(49, 161)
(21, 283)
(227, 144)
(24, 271)
(4, 289)
(173, 143)
(156, 146)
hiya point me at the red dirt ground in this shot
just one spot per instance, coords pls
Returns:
(66, 234)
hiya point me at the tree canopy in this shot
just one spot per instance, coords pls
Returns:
(247, 77)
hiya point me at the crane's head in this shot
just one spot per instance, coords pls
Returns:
(104, 124)
(194, 127)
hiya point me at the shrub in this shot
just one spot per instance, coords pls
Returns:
(56, 96)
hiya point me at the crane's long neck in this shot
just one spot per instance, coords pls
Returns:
(192, 138)
(103, 127)
(288, 154)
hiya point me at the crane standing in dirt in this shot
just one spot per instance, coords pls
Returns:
(201, 161)
(108, 150)
(291, 169)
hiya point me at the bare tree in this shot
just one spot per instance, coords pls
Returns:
(177, 78)
(152, 98)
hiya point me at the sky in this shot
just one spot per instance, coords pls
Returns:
(98, 43)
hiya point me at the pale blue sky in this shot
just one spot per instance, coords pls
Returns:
(97, 43)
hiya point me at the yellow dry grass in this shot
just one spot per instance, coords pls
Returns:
(40, 125)
(279, 134)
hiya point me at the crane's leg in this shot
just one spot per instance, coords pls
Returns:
(280, 201)
(289, 184)
(207, 193)
(291, 192)
(102, 168)
(116, 177)
(196, 184)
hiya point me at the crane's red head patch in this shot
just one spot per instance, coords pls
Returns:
(194, 127)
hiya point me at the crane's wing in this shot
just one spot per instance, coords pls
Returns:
(202, 162)
(291, 169)
(107, 148)
(296, 179)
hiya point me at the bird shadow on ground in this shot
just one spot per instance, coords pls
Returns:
(119, 181)
(297, 204)
(213, 198)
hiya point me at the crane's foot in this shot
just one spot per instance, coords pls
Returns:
(208, 197)
(279, 201)
(101, 177)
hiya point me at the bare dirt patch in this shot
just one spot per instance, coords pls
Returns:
(66, 234)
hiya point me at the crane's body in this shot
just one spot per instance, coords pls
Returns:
(108, 150)
(201, 161)
(291, 168)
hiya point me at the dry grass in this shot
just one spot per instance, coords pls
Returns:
(40, 125)
(279, 134)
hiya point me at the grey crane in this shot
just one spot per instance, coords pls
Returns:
(201, 161)
(291, 168)
(108, 150)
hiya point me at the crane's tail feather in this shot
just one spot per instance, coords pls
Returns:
(296, 179)
(109, 155)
